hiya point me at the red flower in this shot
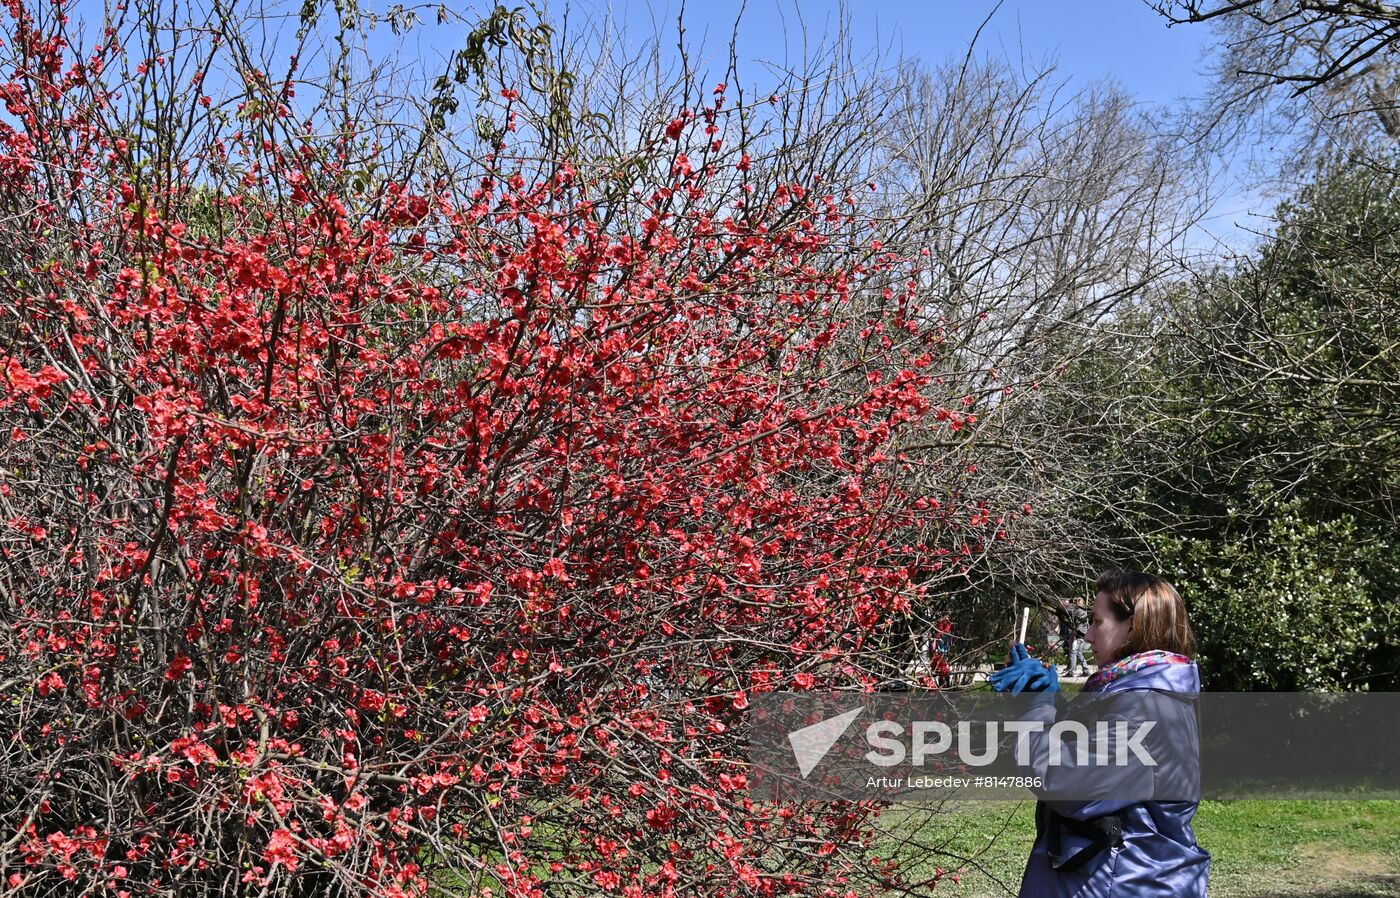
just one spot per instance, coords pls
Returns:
(178, 667)
(282, 849)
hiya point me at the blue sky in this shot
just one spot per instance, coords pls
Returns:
(1125, 41)
(1088, 40)
(1091, 39)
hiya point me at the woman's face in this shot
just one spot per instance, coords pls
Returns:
(1107, 633)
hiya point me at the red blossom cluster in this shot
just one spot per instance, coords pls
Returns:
(362, 536)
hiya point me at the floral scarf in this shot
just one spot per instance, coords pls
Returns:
(1125, 666)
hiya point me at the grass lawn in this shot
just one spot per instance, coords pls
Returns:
(1279, 849)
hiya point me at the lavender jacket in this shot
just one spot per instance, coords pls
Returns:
(1158, 855)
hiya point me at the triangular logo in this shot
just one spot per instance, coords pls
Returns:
(810, 744)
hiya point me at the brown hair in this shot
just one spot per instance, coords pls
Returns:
(1158, 613)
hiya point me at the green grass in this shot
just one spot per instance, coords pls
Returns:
(1313, 847)
(1278, 849)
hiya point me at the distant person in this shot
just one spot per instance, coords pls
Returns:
(1074, 625)
(1122, 846)
(1079, 629)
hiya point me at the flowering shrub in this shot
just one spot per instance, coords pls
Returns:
(365, 532)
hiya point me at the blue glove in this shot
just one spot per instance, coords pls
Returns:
(1045, 685)
(1021, 671)
(1026, 673)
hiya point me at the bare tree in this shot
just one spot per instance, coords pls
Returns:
(1325, 73)
(1042, 215)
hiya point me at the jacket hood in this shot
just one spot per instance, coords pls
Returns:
(1166, 677)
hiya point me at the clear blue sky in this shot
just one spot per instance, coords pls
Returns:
(1087, 40)
(1091, 39)
(1120, 39)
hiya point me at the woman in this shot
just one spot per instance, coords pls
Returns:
(1126, 847)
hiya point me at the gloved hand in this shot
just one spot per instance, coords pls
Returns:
(1024, 672)
(1044, 685)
